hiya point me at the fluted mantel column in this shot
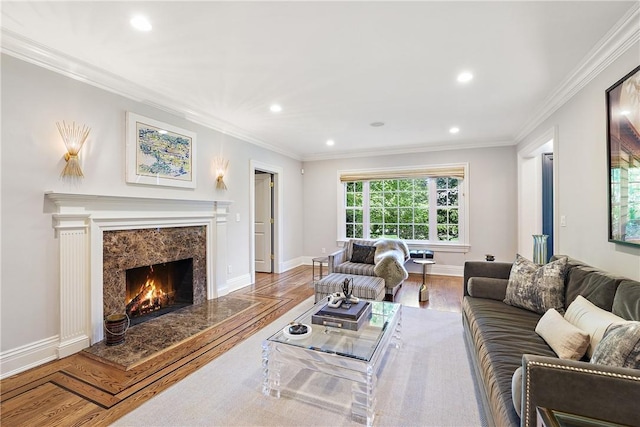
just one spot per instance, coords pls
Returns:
(75, 298)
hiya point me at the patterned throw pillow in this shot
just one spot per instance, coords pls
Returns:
(620, 346)
(536, 288)
(363, 254)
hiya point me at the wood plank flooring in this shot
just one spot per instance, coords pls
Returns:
(79, 390)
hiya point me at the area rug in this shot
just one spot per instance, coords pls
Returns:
(427, 382)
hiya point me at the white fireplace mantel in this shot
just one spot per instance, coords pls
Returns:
(79, 221)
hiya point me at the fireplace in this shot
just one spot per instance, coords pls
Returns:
(153, 271)
(96, 248)
(158, 289)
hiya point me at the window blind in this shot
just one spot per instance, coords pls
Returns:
(453, 171)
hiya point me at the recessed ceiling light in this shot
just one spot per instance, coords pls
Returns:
(140, 23)
(330, 142)
(377, 124)
(454, 130)
(275, 108)
(465, 77)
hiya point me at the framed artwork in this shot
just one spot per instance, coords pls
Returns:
(159, 154)
(623, 157)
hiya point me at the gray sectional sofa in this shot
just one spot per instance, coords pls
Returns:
(500, 338)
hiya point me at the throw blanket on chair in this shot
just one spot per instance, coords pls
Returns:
(389, 261)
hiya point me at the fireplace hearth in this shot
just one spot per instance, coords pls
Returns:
(158, 289)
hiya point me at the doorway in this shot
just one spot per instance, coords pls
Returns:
(547, 201)
(274, 260)
(263, 222)
(537, 182)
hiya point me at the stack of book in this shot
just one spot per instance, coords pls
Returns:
(346, 316)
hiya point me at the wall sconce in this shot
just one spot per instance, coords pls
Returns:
(73, 137)
(221, 166)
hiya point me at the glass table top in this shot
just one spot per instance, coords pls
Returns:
(360, 344)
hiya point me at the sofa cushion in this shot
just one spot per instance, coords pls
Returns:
(501, 334)
(595, 285)
(566, 340)
(592, 319)
(363, 254)
(536, 288)
(620, 346)
(355, 268)
(626, 302)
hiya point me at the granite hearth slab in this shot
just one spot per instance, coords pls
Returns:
(145, 340)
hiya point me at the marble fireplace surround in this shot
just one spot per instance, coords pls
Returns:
(142, 247)
(80, 220)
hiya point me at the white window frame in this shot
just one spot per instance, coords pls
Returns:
(462, 245)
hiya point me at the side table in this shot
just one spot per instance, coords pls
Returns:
(424, 290)
(320, 261)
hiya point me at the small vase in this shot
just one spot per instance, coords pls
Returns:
(540, 248)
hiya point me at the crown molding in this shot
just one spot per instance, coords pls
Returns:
(25, 49)
(617, 41)
(411, 149)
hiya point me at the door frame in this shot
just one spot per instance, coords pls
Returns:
(276, 237)
(526, 152)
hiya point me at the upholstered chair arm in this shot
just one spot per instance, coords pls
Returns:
(496, 270)
(601, 392)
(336, 258)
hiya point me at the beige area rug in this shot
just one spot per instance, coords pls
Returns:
(427, 382)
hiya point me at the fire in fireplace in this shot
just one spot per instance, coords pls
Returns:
(158, 289)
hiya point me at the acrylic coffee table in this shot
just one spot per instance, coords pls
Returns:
(354, 356)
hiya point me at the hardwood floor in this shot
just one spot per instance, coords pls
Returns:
(79, 390)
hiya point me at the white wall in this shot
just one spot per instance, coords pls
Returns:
(33, 99)
(491, 203)
(582, 173)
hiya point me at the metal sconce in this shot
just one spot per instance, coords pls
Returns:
(221, 166)
(73, 137)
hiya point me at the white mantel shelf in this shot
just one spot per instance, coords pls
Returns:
(80, 220)
(77, 203)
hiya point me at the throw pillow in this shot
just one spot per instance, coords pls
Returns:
(566, 340)
(590, 318)
(536, 288)
(516, 390)
(620, 346)
(363, 254)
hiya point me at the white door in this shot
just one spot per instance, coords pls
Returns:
(263, 222)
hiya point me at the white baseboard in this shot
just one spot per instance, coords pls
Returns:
(238, 282)
(292, 263)
(28, 356)
(72, 346)
(441, 270)
(437, 269)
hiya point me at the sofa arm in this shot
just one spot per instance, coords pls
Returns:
(601, 392)
(487, 287)
(336, 258)
(496, 270)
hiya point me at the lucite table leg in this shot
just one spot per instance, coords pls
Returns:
(270, 371)
(363, 399)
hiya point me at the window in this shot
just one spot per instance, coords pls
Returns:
(416, 205)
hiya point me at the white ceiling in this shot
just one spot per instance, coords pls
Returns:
(334, 67)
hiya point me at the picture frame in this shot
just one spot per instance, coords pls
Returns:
(158, 153)
(623, 159)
